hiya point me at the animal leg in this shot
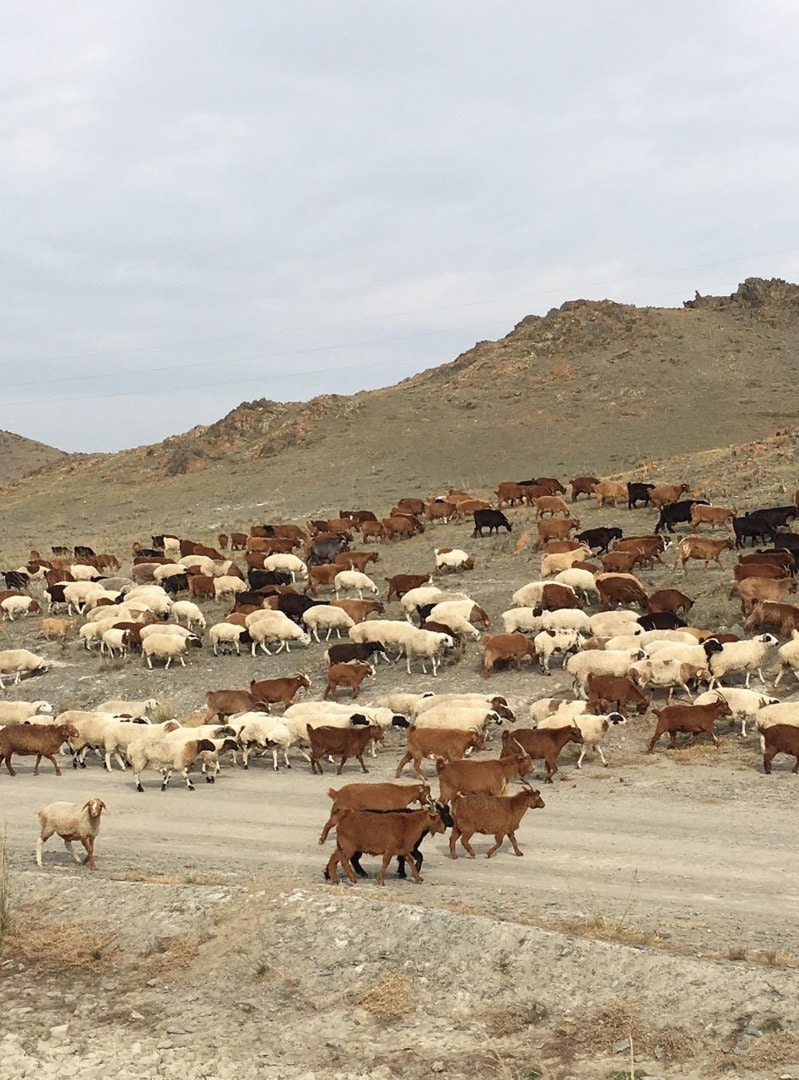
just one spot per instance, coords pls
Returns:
(71, 850)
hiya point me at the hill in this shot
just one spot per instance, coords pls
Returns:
(20, 456)
(593, 386)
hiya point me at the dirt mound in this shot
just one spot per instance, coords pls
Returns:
(19, 456)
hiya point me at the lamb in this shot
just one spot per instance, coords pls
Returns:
(266, 625)
(114, 641)
(16, 662)
(71, 822)
(592, 728)
(166, 755)
(18, 712)
(166, 647)
(186, 610)
(789, 657)
(43, 740)
(327, 617)
(600, 662)
(549, 642)
(226, 633)
(743, 703)
(745, 656)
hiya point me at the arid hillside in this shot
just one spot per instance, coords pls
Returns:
(20, 456)
(592, 386)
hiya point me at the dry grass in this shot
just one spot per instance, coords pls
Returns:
(63, 945)
(135, 874)
(764, 1053)
(600, 1029)
(178, 954)
(602, 928)
(389, 1000)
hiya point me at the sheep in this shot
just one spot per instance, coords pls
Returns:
(465, 608)
(531, 594)
(564, 707)
(157, 599)
(789, 657)
(582, 581)
(84, 572)
(102, 731)
(354, 579)
(744, 703)
(642, 640)
(17, 712)
(173, 629)
(19, 605)
(81, 594)
(425, 594)
(460, 715)
(226, 633)
(745, 656)
(223, 739)
(666, 672)
(606, 624)
(188, 611)
(320, 714)
(592, 728)
(600, 662)
(456, 623)
(698, 655)
(167, 570)
(384, 631)
(270, 625)
(566, 619)
(426, 645)
(784, 712)
(326, 616)
(256, 731)
(18, 661)
(226, 587)
(114, 641)
(288, 563)
(490, 701)
(166, 647)
(549, 642)
(522, 619)
(122, 707)
(166, 755)
(452, 560)
(71, 822)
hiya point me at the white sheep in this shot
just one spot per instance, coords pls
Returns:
(401, 701)
(84, 572)
(423, 595)
(566, 619)
(459, 715)
(784, 712)
(347, 580)
(452, 560)
(319, 714)
(592, 728)
(529, 595)
(425, 645)
(646, 637)
(167, 570)
(82, 594)
(606, 624)
(175, 629)
(274, 626)
(17, 712)
(741, 656)
(114, 642)
(225, 633)
(18, 605)
(564, 707)
(93, 728)
(549, 642)
(167, 755)
(327, 617)
(187, 611)
(600, 662)
(71, 822)
(90, 633)
(128, 707)
(17, 662)
(220, 735)
(157, 599)
(582, 581)
(789, 657)
(203, 562)
(166, 647)
(254, 731)
(666, 672)
(744, 703)
(429, 701)
(287, 563)
(384, 631)
(456, 622)
(522, 619)
(115, 612)
(227, 586)
(172, 548)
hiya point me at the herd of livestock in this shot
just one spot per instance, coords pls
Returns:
(590, 609)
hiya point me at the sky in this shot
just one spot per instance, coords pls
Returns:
(209, 203)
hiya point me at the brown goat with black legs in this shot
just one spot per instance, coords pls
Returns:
(541, 745)
(694, 720)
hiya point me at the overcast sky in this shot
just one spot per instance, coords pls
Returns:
(206, 203)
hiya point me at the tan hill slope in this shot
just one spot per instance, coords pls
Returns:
(20, 456)
(591, 386)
